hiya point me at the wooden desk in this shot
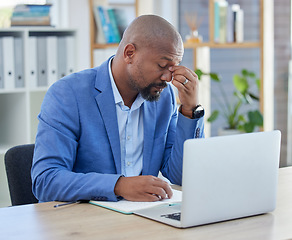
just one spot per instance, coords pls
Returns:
(85, 221)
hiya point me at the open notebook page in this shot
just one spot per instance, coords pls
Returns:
(128, 207)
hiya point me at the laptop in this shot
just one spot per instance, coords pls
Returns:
(224, 178)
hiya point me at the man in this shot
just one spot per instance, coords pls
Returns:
(106, 132)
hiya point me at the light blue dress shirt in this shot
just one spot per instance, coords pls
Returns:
(131, 131)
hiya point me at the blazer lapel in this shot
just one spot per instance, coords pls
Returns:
(106, 105)
(149, 129)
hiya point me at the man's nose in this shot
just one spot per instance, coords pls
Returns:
(166, 76)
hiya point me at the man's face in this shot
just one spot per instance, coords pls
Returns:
(149, 72)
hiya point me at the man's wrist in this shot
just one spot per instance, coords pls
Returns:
(194, 113)
(186, 113)
(117, 186)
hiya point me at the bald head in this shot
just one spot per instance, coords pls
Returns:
(150, 31)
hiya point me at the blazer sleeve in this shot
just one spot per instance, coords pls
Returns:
(180, 129)
(56, 145)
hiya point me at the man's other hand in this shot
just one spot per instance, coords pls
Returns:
(142, 188)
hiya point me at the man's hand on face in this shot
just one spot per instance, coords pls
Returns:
(142, 188)
(187, 84)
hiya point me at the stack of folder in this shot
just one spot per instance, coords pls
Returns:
(31, 15)
(49, 58)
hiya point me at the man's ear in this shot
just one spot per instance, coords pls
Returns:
(129, 52)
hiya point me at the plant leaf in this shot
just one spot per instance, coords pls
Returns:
(215, 77)
(241, 118)
(240, 83)
(213, 116)
(256, 118)
(199, 73)
(251, 74)
(248, 127)
(244, 72)
(258, 83)
(254, 97)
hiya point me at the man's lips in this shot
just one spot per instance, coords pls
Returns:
(160, 87)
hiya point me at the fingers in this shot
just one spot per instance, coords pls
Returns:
(143, 188)
(183, 75)
(187, 83)
(160, 188)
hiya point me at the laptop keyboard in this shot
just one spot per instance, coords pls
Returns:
(174, 216)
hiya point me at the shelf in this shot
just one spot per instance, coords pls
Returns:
(104, 46)
(223, 45)
(19, 107)
(15, 90)
(38, 89)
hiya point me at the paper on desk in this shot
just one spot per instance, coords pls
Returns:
(128, 207)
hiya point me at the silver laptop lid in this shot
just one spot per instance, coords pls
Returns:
(229, 177)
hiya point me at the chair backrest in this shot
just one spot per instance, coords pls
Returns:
(18, 161)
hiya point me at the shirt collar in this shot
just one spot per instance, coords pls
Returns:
(117, 96)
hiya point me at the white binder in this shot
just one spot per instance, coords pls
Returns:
(1, 65)
(71, 58)
(18, 62)
(8, 63)
(42, 74)
(62, 57)
(52, 59)
(32, 64)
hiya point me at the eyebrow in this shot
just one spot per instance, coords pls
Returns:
(168, 59)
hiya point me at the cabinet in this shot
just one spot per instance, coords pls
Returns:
(265, 44)
(20, 104)
(129, 4)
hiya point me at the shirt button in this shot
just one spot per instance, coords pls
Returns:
(128, 163)
(128, 137)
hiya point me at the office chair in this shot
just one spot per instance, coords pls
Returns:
(18, 161)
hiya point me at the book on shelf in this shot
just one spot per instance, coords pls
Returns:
(129, 207)
(32, 8)
(110, 24)
(28, 21)
(228, 22)
(223, 5)
(229, 25)
(114, 24)
(121, 19)
(106, 25)
(99, 38)
(238, 17)
(31, 15)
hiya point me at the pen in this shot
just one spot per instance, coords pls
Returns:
(68, 203)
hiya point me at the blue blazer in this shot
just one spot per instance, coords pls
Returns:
(77, 150)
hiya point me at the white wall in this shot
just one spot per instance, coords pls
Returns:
(78, 18)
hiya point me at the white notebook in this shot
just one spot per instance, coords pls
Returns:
(129, 207)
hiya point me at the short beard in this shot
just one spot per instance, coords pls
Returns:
(146, 92)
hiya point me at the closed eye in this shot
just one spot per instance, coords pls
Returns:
(162, 67)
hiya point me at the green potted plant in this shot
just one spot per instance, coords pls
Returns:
(232, 109)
